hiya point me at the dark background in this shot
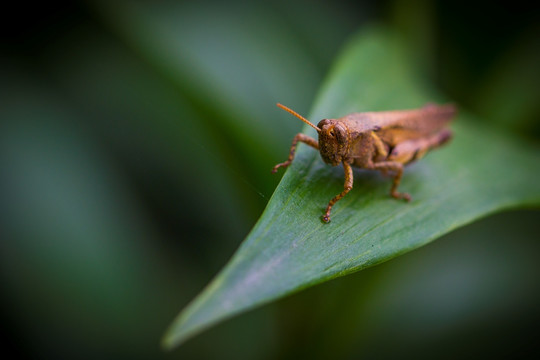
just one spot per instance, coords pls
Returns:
(136, 140)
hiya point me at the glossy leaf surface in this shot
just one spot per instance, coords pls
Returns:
(480, 172)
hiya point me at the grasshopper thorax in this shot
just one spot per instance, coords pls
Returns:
(333, 141)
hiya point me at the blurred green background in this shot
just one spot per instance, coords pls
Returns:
(136, 142)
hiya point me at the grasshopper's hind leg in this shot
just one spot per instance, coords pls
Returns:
(411, 150)
(299, 137)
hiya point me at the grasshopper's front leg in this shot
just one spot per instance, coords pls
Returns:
(346, 188)
(299, 137)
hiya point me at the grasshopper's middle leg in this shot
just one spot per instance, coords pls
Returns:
(346, 188)
(299, 137)
(407, 152)
(397, 168)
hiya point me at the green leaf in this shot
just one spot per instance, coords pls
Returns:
(478, 173)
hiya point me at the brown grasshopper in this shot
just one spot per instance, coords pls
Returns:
(384, 141)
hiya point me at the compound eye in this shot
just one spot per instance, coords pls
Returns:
(323, 123)
(340, 133)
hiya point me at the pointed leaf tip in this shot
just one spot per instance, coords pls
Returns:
(290, 249)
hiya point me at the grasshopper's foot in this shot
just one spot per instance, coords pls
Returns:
(326, 218)
(283, 164)
(398, 195)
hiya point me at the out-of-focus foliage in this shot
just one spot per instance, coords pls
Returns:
(136, 140)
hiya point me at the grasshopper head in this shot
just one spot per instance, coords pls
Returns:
(333, 141)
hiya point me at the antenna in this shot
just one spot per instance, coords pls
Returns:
(298, 116)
